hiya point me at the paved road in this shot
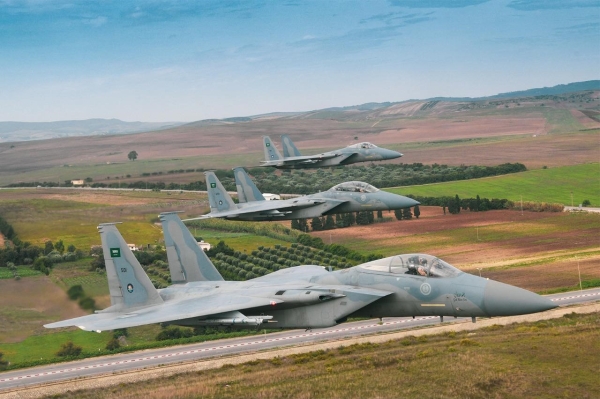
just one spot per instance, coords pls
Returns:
(204, 350)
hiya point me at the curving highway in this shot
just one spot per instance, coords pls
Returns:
(154, 357)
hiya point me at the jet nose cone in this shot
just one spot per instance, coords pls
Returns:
(505, 300)
(390, 154)
(395, 201)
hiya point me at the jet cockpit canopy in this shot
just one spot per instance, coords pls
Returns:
(355, 186)
(365, 145)
(416, 264)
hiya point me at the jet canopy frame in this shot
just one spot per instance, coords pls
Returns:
(365, 145)
(415, 264)
(355, 187)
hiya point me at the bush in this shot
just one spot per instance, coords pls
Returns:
(3, 363)
(173, 333)
(75, 292)
(87, 303)
(120, 332)
(69, 349)
(113, 344)
(586, 202)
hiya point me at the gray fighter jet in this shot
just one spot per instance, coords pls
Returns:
(346, 197)
(292, 159)
(297, 297)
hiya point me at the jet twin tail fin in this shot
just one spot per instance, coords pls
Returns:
(128, 283)
(187, 261)
(218, 198)
(271, 152)
(289, 149)
(246, 189)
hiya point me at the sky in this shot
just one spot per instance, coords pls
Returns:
(166, 60)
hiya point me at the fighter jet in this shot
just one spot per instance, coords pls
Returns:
(292, 159)
(307, 296)
(346, 197)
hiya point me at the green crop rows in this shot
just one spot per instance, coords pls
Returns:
(264, 260)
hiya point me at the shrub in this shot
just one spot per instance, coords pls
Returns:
(69, 349)
(173, 333)
(75, 292)
(120, 332)
(113, 344)
(87, 303)
(3, 363)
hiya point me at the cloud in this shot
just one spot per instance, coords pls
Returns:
(398, 18)
(535, 5)
(436, 3)
(95, 22)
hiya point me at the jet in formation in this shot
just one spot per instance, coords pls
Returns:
(345, 197)
(292, 159)
(306, 296)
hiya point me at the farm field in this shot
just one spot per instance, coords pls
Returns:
(536, 251)
(553, 185)
(546, 359)
(39, 215)
(549, 135)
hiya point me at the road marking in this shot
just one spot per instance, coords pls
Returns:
(257, 342)
(575, 296)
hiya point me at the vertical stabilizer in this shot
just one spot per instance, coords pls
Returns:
(246, 189)
(218, 197)
(289, 149)
(187, 261)
(271, 152)
(128, 283)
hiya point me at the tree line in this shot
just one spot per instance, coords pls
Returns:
(307, 182)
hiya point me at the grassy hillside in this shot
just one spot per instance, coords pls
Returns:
(542, 185)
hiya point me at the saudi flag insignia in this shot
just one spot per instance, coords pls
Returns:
(115, 252)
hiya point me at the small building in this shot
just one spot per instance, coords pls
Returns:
(271, 197)
(78, 183)
(205, 246)
(132, 247)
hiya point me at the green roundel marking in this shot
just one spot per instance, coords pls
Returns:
(115, 252)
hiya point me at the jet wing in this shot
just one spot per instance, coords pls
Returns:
(185, 309)
(304, 159)
(267, 208)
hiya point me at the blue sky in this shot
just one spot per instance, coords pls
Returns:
(161, 60)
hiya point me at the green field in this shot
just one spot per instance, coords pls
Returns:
(553, 185)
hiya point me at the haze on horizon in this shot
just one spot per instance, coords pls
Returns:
(168, 60)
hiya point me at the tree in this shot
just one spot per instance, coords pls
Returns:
(586, 202)
(69, 349)
(60, 246)
(417, 211)
(317, 224)
(132, 155)
(48, 247)
(329, 223)
(71, 248)
(303, 225)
